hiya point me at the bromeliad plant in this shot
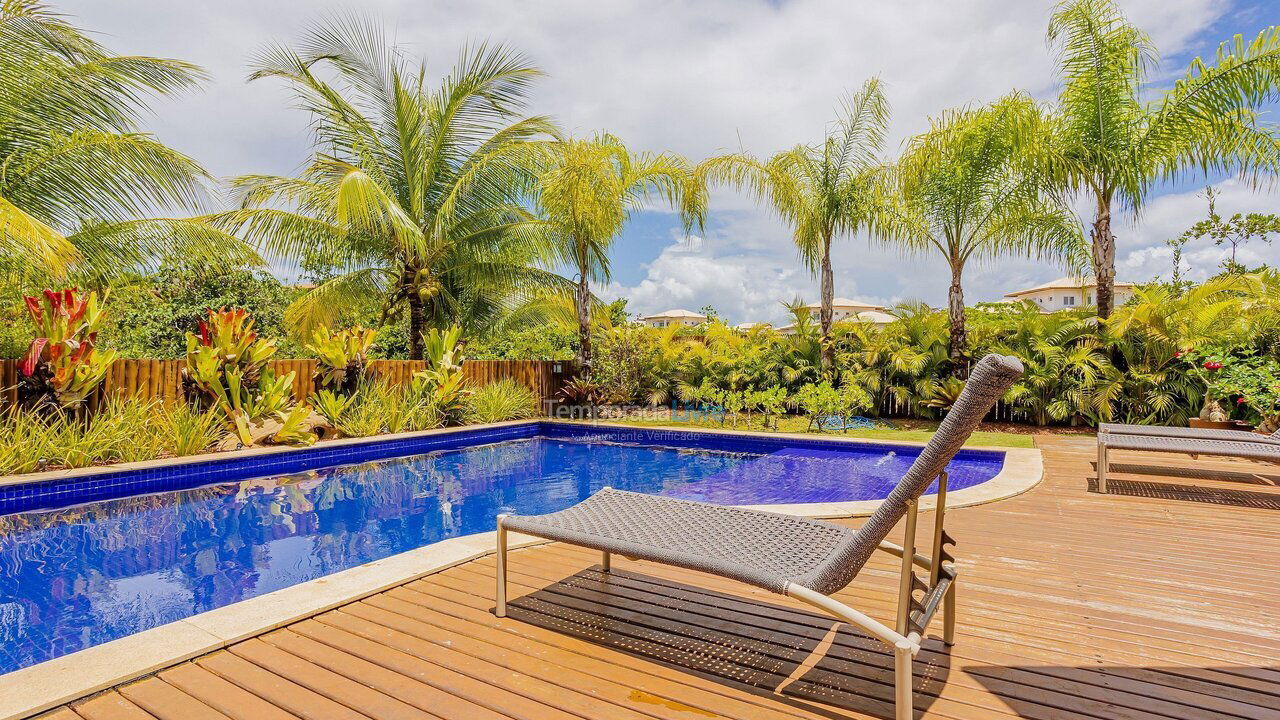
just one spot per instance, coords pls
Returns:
(342, 357)
(63, 366)
(227, 373)
(442, 384)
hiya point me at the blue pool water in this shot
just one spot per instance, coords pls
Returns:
(77, 575)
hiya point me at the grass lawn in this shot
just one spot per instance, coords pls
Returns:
(910, 430)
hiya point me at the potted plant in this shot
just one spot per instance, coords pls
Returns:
(1254, 381)
(1206, 365)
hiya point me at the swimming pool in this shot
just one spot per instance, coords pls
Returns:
(85, 561)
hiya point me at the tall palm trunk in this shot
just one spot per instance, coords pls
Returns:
(1104, 255)
(417, 324)
(956, 345)
(825, 310)
(583, 306)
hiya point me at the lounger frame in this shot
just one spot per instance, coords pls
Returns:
(919, 600)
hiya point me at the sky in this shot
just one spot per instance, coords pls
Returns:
(699, 78)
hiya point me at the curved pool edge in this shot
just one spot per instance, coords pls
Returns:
(35, 689)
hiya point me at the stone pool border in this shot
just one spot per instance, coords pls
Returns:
(40, 687)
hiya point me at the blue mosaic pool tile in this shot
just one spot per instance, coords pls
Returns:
(187, 475)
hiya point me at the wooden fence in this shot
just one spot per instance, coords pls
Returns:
(162, 379)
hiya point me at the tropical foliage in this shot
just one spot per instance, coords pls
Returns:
(342, 356)
(62, 366)
(414, 196)
(227, 373)
(502, 400)
(80, 180)
(1111, 146)
(124, 430)
(1078, 370)
(587, 191)
(824, 191)
(967, 190)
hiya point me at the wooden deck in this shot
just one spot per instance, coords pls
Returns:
(1158, 600)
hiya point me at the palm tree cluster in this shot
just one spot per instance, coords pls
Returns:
(447, 203)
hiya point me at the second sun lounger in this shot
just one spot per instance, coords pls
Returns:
(1261, 449)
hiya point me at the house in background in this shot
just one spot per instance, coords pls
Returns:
(1069, 292)
(747, 327)
(674, 318)
(846, 310)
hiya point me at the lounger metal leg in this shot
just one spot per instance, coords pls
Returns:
(500, 608)
(902, 681)
(1102, 465)
(604, 562)
(904, 578)
(949, 615)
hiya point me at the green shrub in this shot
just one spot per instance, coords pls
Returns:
(379, 407)
(502, 400)
(150, 317)
(188, 431)
(122, 430)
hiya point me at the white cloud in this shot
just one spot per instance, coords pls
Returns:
(695, 78)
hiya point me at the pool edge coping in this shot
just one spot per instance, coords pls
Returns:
(44, 686)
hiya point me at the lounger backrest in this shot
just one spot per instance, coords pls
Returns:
(991, 377)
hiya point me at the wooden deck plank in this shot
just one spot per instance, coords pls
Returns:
(110, 705)
(275, 689)
(167, 702)
(351, 693)
(223, 696)
(376, 645)
(1152, 602)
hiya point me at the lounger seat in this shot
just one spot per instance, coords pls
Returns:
(768, 550)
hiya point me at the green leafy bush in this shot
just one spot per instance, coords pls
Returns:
(122, 430)
(151, 316)
(502, 400)
(379, 407)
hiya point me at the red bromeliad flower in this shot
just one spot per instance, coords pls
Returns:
(1212, 365)
(32, 358)
(1240, 401)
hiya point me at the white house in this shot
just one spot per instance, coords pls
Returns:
(1069, 292)
(846, 310)
(747, 327)
(677, 318)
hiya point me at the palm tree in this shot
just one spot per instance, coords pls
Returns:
(824, 191)
(587, 192)
(1110, 145)
(77, 177)
(414, 194)
(965, 192)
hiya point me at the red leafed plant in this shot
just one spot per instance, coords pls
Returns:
(63, 364)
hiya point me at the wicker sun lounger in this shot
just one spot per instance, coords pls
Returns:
(1186, 432)
(799, 557)
(1263, 447)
